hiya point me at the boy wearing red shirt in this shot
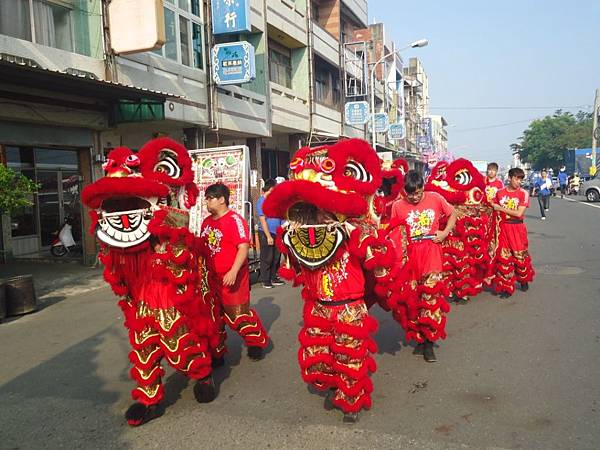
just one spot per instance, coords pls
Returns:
(511, 261)
(225, 240)
(420, 212)
(492, 184)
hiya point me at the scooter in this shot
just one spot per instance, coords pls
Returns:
(64, 241)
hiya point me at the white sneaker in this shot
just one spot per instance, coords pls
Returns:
(543, 218)
(546, 210)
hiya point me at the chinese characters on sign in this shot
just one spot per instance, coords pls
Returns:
(233, 63)
(230, 16)
(381, 122)
(356, 113)
(228, 165)
(396, 131)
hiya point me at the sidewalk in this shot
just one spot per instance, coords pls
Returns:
(56, 279)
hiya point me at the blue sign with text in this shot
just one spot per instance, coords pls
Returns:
(356, 113)
(230, 16)
(381, 122)
(397, 131)
(233, 63)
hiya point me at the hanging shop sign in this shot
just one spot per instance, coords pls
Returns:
(230, 16)
(356, 113)
(397, 131)
(233, 63)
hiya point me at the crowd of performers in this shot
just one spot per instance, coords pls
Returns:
(356, 233)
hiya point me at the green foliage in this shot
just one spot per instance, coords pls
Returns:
(15, 190)
(544, 142)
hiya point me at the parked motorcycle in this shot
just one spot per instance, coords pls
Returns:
(64, 242)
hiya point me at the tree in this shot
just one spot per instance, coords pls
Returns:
(15, 190)
(545, 140)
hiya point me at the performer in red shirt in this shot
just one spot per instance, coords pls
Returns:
(225, 241)
(511, 261)
(492, 184)
(420, 213)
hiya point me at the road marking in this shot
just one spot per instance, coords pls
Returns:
(583, 203)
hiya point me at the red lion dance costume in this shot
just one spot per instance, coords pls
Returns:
(332, 247)
(152, 262)
(465, 250)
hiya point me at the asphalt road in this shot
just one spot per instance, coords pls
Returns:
(519, 373)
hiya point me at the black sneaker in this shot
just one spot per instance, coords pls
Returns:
(277, 282)
(255, 353)
(267, 285)
(418, 350)
(524, 287)
(504, 295)
(428, 354)
(350, 417)
(462, 300)
(139, 414)
(204, 390)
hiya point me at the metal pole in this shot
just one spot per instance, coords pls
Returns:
(595, 130)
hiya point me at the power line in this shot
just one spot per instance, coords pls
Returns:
(509, 107)
(494, 126)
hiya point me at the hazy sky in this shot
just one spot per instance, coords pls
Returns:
(509, 53)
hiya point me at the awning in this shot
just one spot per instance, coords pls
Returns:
(26, 72)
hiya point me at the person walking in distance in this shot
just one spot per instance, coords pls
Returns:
(225, 243)
(563, 181)
(543, 186)
(267, 230)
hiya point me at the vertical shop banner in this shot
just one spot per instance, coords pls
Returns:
(227, 165)
(230, 16)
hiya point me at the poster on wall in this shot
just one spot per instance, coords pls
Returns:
(227, 165)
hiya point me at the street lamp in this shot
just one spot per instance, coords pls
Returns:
(416, 44)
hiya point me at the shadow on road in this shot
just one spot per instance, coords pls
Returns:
(61, 403)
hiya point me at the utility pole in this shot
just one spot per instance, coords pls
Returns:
(595, 132)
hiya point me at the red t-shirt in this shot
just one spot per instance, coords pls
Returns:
(492, 187)
(512, 200)
(341, 279)
(423, 218)
(220, 240)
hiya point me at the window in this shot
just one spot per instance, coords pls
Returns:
(184, 32)
(70, 25)
(280, 64)
(328, 90)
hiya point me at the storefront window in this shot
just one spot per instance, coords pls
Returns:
(50, 158)
(17, 157)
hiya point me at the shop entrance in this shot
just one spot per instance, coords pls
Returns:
(58, 175)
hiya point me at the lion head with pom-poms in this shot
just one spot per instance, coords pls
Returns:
(135, 187)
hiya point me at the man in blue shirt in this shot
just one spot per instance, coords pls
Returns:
(543, 186)
(267, 230)
(563, 179)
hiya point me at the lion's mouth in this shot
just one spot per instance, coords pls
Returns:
(314, 235)
(123, 221)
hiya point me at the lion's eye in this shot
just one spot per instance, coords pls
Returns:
(463, 177)
(168, 165)
(356, 170)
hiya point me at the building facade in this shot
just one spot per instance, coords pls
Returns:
(68, 99)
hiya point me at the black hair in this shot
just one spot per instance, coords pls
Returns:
(413, 181)
(217, 190)
(270, 183)
(516, 172)
(493, 166)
